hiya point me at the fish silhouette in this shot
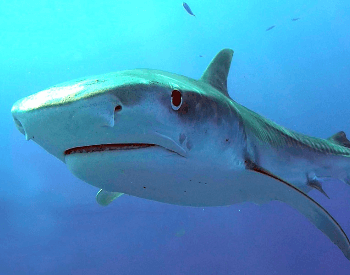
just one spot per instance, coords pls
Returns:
(270, 28)
(187, 8)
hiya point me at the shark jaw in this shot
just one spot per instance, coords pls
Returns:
(111, 167)
(107, 147)
(111, 147)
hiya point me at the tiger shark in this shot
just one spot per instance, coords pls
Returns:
(172, 139)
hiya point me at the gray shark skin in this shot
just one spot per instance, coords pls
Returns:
(173, 139)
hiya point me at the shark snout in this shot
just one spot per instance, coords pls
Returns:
(33, 119)
(22, 119)
(57, 128)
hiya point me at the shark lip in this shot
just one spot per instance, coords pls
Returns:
(110, 147)
(156, 140)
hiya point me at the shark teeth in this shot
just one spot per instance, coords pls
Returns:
(106, 147)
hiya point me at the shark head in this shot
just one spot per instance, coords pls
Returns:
(137, 129)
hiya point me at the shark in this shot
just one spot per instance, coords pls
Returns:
(173, 139)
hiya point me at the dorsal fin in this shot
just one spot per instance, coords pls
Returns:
(340, 138)
(217, 71)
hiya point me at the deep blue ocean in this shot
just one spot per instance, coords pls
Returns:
(296, 74)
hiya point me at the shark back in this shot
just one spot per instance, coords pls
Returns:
(269, 132)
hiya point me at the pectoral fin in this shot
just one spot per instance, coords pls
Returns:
(316, 183)
(315, 213)
(105, 197)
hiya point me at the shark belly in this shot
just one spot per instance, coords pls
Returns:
(156, 174)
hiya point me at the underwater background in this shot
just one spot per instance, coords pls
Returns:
(296, 74)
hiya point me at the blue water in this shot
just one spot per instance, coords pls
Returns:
(296, 74)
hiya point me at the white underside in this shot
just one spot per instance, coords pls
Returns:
(157, 174)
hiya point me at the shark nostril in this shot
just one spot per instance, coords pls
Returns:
(19, 125)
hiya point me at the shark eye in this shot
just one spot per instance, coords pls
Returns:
(176, 100)
(117, 108)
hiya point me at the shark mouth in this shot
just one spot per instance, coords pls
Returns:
(107, 147)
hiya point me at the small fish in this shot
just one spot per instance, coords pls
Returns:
(180, 233)
(295, 19)
(187, 8)
(200, 55)
(270, 28)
